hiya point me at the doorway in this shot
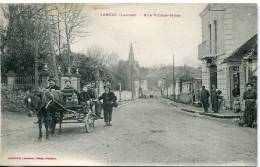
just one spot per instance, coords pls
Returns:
(234, 80)
(213, 75)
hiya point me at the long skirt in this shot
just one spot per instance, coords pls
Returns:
(250, 112)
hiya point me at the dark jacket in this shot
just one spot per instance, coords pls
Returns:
(204, 96)
(108, 99)
(89, 94)
(236, 92)
(53, 87)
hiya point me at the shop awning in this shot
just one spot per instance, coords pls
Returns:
(246, 51)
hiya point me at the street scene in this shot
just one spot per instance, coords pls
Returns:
(146, 131)
(129, 84)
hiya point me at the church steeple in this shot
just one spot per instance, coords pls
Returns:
(131, 54)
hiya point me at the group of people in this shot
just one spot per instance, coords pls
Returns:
(249, 98)
(88, 96)
(215, 98)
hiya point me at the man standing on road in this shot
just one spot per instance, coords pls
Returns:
(250, 105)
(204, 97)
(109, 99)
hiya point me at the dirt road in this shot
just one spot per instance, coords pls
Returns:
(144, 132)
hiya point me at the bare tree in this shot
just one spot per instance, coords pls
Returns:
(102, 57)
(73, 20)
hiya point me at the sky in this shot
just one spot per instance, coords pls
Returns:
(155, 39)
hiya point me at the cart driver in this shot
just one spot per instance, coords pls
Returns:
(52, 84)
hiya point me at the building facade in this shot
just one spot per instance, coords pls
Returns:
(225, 27)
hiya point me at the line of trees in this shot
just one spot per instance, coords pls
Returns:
(35, 34)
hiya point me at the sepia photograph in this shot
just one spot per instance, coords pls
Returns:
(140, 84)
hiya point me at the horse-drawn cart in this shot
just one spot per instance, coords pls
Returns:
(59, 106)
(70, 110)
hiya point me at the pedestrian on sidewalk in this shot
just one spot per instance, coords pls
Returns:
(236, 96)
(109, 101)
(214, 99)
(204, 97)
(249, 97)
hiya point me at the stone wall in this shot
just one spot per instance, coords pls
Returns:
(12, 100)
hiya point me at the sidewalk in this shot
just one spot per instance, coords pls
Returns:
(225, 114)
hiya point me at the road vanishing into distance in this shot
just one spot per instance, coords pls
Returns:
(143, 132)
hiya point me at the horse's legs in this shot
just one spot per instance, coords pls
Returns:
(40, 125)
(52, 119)
(60, 120)
(46, 124)
(53, 123)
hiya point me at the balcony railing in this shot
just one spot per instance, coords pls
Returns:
(205, 50)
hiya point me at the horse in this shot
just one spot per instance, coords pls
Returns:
(45, 104)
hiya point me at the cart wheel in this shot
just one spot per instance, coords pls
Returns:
(89, 122)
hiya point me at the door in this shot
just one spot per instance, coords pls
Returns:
(213, 75)
(234, 80)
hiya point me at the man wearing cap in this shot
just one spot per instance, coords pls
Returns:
(249, 97)
(52, 84)
(93, 95)
(84, 95)
(109, 99)
(204, 98)
(52, 108)
(89, 94)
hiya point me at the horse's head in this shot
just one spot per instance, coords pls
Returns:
(28, 103)
(32, 103)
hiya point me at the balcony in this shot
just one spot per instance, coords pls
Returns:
(205, 50)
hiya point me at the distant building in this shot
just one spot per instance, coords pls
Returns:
(188, 90)
(225, 28)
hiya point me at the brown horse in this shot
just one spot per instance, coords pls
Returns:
(43, 103)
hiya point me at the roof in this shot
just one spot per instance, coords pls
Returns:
(246, 51)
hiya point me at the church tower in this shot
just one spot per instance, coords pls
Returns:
(131, 55)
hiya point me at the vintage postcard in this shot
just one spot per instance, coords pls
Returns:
(128, 84)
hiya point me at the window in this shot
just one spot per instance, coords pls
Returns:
(210, 39)
(215, 36)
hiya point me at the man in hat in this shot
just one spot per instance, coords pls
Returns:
(52, 84)
(52, 108)
(249, 97)
(109, 99)
(84, 95)
(94, 96)
(89, 94)
(204, 97)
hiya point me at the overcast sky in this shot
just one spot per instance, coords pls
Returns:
(155, 39)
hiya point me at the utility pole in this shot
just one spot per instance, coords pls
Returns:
(173, 77)
(166, 82)
(132, 80)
